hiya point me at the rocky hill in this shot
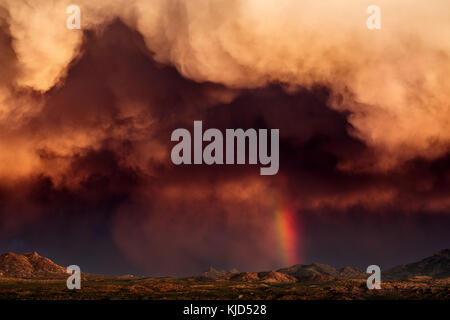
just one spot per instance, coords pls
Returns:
(317, 271)
(212, 274)
(267, 276)
(436, 266)
(29, 265)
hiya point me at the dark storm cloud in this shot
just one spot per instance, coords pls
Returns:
(96, 173)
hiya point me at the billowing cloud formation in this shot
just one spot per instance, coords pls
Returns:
(86, 118)
(393, 81)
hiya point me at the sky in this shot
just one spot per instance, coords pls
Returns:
(86, 118)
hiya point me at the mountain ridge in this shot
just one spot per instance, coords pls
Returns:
(29, 265)
(318, 270)
(32, 265)
(435, 266)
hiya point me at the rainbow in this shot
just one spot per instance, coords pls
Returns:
(288, 232)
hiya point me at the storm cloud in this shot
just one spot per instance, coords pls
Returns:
(86, 117)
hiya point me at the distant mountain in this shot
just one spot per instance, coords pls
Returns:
(318, 271)
(305, 273)
(436, 266)
(29, 265)
(235, 275)
(352, 273)
(32, 265)
(306, 270)
(212, 273)
(267, 276)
